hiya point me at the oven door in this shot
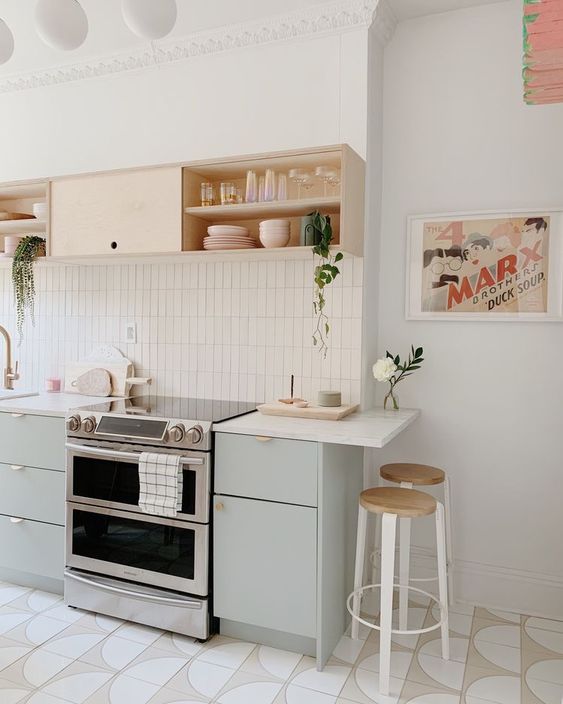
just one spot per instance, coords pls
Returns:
(109, 477)
(150, 550)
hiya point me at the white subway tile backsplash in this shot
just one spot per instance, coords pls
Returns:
(234, 329)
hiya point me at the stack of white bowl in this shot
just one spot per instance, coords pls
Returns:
(275, 233)
(228, 237)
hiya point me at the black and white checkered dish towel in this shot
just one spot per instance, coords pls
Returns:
(160, 484)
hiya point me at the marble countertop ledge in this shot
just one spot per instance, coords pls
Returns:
(48, 404)
(373, 428)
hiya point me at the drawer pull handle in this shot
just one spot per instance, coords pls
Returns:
(219, 506)
(16, 520)
(17, 415)
(263, 438)
(16, 467)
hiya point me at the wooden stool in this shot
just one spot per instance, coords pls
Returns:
(410, 475)
(390, 502)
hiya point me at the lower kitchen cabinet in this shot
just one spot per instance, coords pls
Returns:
(32, 500)
(266, 554)
(32, 547)
(285, 515)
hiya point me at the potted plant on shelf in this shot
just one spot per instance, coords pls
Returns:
(389, 368)
(23, 277)
(324, 274)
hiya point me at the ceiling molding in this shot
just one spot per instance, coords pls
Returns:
(384, 22)
(326, 18)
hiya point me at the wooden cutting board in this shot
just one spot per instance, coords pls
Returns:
(96, 382)
(118, 371)
(314, 412)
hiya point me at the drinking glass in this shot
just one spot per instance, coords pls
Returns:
(270, 185)
(251, 187)
(206, 193)
(335, 181)
(327, 174)
(302, 178)
(282, 187)
(261, 189)
(228, 193)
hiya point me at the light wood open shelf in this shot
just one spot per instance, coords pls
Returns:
(22, 227)
(272, 209)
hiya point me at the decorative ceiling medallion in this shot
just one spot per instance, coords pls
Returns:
(149, 19)
(328, 18)
(6, 42)
(543, 51)
(61, 24)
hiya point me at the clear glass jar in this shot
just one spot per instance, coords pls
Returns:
(206, 193)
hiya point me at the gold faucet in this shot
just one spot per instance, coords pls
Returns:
(9, 375)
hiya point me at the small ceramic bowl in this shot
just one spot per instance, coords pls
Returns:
(274, 239)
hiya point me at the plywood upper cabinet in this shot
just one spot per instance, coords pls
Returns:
(127, 212)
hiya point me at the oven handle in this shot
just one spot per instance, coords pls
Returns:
(186, 603)
(103, 452)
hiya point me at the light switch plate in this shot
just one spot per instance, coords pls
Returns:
(131, 333)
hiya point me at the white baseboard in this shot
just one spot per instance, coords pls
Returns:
(497, 587)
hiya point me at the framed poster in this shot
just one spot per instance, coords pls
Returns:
(485, 266)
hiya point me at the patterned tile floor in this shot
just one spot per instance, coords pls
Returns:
(50, 654)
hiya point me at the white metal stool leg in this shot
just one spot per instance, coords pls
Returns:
(442, 580)
(376, 549)
(404, 565)
(449, 548)
(404, 570)
(359, 570)
(388, 531)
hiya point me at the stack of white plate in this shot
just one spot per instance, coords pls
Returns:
(228, 237)
(275, 233)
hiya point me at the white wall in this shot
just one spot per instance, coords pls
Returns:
(458, 136)
(282, 95)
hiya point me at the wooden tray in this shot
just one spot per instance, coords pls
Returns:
(314, 412)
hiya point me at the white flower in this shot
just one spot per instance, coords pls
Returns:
(384, 369)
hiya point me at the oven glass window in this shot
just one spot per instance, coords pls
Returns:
(118, 482)
(134, 543)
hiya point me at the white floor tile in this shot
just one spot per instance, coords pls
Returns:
(138, 633)
(368, 683)
(251, 693)
(501, 690)
(448, 673)
(546, 692)
(206, 678)
(299, 695)
(158, 670)
(279, 663)
(458, 648)
(545, 624)
(501, 655)
(126, 690)
(329, 681)
(502, 635)
(231, 655)
(73, 646)
(400, 663)
(11, 693)
(78, 687)
(552, 640)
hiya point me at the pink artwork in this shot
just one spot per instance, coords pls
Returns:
(543, 51)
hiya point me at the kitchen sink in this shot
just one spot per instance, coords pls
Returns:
(7, 394)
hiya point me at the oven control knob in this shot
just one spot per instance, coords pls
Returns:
(177, 433)
(89, 424)
(73, 423)
(195, 434)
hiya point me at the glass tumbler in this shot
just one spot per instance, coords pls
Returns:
(251, 187)
(282, 187)
(206, 193)
(228, 193)
(270, 185)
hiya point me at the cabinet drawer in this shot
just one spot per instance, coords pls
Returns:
(266, 468)
(33, 493)
(32, 547)
(265, 564)
(34, 441)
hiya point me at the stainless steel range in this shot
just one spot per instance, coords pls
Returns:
(123, 562)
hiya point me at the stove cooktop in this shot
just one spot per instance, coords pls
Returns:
(165, 407)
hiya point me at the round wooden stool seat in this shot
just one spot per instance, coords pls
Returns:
(416, 474)
(405, 503)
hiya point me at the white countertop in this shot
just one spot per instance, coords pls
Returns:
(374, 428)
(48, 404)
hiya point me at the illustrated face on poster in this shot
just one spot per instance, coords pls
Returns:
(497, 265)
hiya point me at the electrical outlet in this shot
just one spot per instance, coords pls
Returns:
(131, 333)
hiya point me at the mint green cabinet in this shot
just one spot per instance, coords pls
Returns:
(284, 523)
(32, 496)
(265, 555)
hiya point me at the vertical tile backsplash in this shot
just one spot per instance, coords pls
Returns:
(232, 329)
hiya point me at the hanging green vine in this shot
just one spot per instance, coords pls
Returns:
(23, 278)
(325, 272)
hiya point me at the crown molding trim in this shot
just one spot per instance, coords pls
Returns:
(384, 22)
(326, 18)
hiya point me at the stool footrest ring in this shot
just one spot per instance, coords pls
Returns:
(396, 631)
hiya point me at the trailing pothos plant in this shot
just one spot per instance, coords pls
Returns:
(23, 278)
(324, 274)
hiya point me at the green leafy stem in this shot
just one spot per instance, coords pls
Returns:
(406, 368)
(324, 274)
